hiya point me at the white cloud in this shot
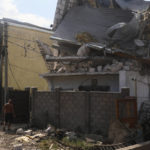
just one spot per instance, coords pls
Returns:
(8, 9)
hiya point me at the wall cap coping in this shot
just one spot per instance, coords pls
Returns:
(77, 74)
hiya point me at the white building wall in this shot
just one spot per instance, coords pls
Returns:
(73, 82)
(138, 84)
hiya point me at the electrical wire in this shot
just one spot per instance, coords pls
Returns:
(22, 39)
(13, 75)
(34, 41)
(31, 49)
(16, 56)
(24, 69)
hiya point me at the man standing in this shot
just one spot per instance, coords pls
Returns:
(9, 113)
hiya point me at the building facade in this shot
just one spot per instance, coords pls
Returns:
(98, 48)
(25, 58)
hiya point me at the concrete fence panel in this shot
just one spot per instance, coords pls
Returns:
(84, 111)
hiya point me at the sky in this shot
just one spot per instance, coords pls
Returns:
(38, 12)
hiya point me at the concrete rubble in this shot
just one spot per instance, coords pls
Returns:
(95, 45)
(64, 139)
(96, 67)
(20, 131)
(17, 147)
(144, 119)
(71, 136)
(118, 132)
(126, 42)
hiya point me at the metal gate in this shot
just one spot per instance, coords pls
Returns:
(21, 101)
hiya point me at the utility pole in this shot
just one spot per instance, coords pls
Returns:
(1, 64)
(6, 61)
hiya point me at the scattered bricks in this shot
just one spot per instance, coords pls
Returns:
(116, 67)
(17, 147)
(99, 68)
(91, 70)
(28, 132)
(83, 51)
(20, 131)
(126, 68)
(107, 68)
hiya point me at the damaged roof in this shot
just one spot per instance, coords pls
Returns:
(134, 5)
(95, 21)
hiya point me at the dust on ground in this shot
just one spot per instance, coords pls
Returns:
(7, 138)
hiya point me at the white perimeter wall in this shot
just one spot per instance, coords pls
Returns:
(139, 88)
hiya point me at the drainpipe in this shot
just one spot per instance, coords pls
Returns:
(135, 86)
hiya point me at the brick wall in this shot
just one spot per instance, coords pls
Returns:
(87, 111)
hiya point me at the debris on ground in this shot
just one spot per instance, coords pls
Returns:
(17, 147)
(71, 136)
(50, 129)
(53, 139)
(28, 132)
(144, 119)
(20, 131)
(118, 132)
(94, 138)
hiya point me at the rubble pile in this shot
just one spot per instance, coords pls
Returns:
(144, 119)
(51, 138)
(95, 67)
(85, 37)
(92, 3)
(118, 132)
(127, 33)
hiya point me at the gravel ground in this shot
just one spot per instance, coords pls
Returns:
(7, 139)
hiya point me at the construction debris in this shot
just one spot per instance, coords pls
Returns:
(23, 139)
(64, 139)
(124, 36)
(20, 131)
(83, 51)
(17, 147)
(118, 133)
(85, 37)
(144, 119)
(28, 132)
(92, 3)
(71, 136)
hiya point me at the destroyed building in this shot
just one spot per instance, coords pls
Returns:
(101, 45)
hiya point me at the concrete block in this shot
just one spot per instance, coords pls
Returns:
(17, 147)
(99, 68)
(91, 70)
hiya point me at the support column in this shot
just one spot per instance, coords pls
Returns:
(6, 62)
(33, 101)
(88, 111)
(1, 65)
(57, 107)
(27, 89)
